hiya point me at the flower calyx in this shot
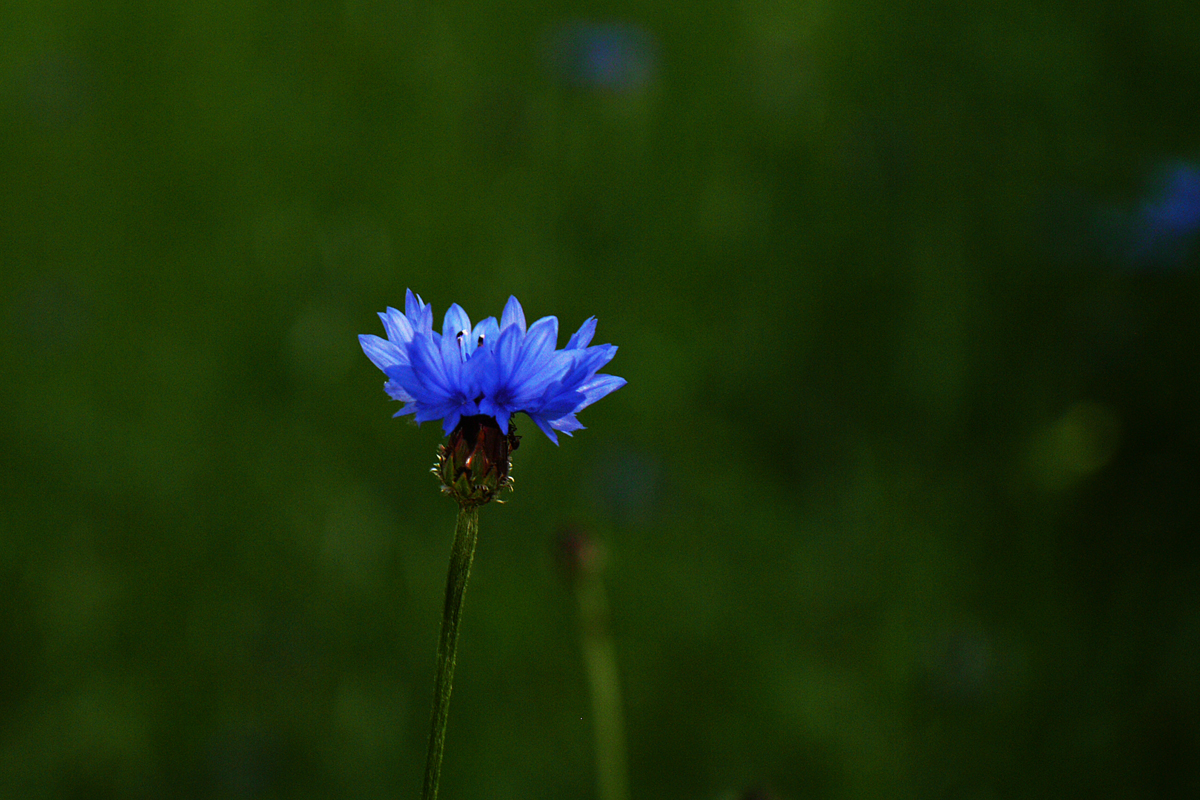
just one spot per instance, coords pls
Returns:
(474, 463)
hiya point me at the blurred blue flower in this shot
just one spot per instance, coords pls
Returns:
(1176, 208)
(603, 56)
(1161, 231)
(493, 369)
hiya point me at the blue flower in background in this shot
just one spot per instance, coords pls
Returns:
(1160, 232)
(613, 56)
(493, 369)
(1175, 209)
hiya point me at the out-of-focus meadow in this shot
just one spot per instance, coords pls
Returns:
(900, 499)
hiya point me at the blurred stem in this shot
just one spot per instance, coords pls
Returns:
(600, 661)
(465, 533)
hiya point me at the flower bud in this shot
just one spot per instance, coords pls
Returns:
(578, 553)
(474, 464)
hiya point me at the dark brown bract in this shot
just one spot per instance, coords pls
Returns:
(475, 463)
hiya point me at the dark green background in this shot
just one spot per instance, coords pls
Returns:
(900, 498)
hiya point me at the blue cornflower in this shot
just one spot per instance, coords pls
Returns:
(494, 369)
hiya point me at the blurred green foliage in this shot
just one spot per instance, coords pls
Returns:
(899, 501)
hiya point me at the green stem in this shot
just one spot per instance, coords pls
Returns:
(465, 533)
(600, 660)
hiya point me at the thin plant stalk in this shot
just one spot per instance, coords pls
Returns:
(463, 552)
(604, 683)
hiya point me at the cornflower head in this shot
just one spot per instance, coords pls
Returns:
(476, 378)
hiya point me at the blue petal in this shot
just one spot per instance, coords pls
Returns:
(546, 429)
(528, 375)
(508, 349)
(497, 412)
(486, 333)
(598, 387)
(397, 392)
(397, 326)
(430, 412)
(599, 355)
(583, 336)
(413, 306)
(451, 421)
(566, 424)
(558, 403)
(403, 378)
(420, 315)
(589, 361)
(455, 322)
(543, 335)
(427, 368)
(563, 395)
(382, 353)
(458, 378)
(513, 315)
